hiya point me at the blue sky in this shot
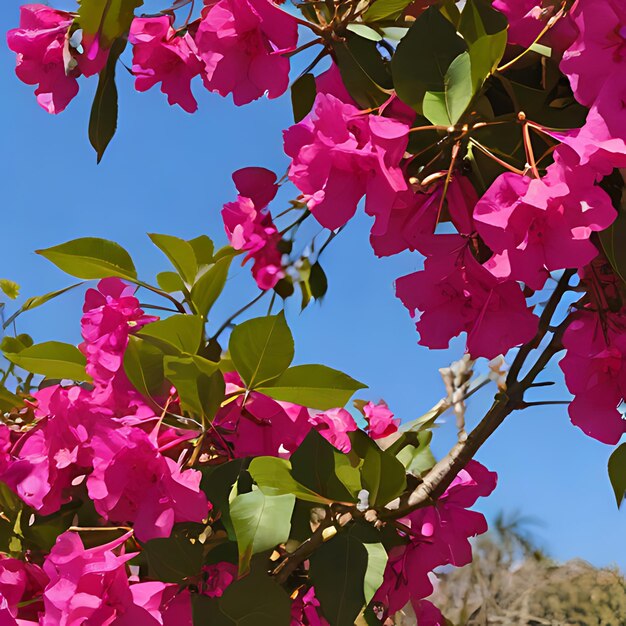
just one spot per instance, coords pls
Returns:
(167, 171)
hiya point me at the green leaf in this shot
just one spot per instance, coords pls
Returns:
(381, 472)
(261, 522)
(338, 569)
(365, 31)
(209, 286)
(261, 349)
(274, 474)
(433, 40)
(447, 107)
(52, 359)
(35, 301)
(383, 9)
(170, 282)
(203, 248)
(8, 400)
(9, 288)
(416, 456)
(617, 473)
(143, 364)
(174, 559)
(303, 92)
(90, 258)
(485, 31)
(612, 240)
(181, 332)
(363, 70)
(376, 564)
(315, 386)
(198, 381)
(180, 253)
(106, 20)
(104, 110)
(318, 282)
(320, 467)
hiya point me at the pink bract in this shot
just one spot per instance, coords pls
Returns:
(305, 610)
(380, 420)
(456, 294)
(340, 154)
(216, 578)
(160, 55)
(334, 425)
(39, 43)
(242, 43)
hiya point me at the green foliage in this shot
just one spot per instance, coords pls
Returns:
(104, 110)
(143, 364)
(106, 20)
(91, 258)
(617, 473)
(9, 288)
(52, 359)
(303, 94)
(260, 522)
(210, 284)
(315, 386)
(176, 334)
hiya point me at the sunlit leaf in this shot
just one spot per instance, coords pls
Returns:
(180, 253)
(52, 359)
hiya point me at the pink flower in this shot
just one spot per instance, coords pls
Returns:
(242, 44)
(340, 154)
(599, 49)
(20, 582)
(440, 536)
(330, 82)
(305, 609)
(595, 372)
(381, 422)
(91, 586)
(412, 218)
(538, 226)
(249, 227)
(160, 55)
(527, 18)
(456, 294)
(334, 425)
(428, 614)
(39, 44)
(265, 427)
(217, 578)
(133, 482)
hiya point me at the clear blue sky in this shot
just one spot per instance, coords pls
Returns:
(167, 171)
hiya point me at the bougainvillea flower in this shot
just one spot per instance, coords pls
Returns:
(161, 55)
(242, 43)
(39, 42)
(427, 614)
(305, 609)
(334, 425)
(527, 18)
(340, 154)
(456, 294)
(440, 536)
(599, 49)
(264, 427)
(217, 577)
(157, 604)
(380, 420)
(20, 582)
(132, 482)
(330, 82)
(544, 224)
(250, 227)
(595, 372)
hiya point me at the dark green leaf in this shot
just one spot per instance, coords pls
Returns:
(320, 467)
(8, 400)
(315, 386)
(261, 349)
(318, 281)
(52, 359)
(363, 70)
(90, 258)
(180, 253)
(273, 476)
(104, 110)
(303, 94)
(381, 472)
(106, 20)
(617, 473)
(383, 9)
(338, 569)
(181, 332)
(174, 559)
(143, 364)
(261, 522)
(433, 40)
(612, 240)
(209, 286)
